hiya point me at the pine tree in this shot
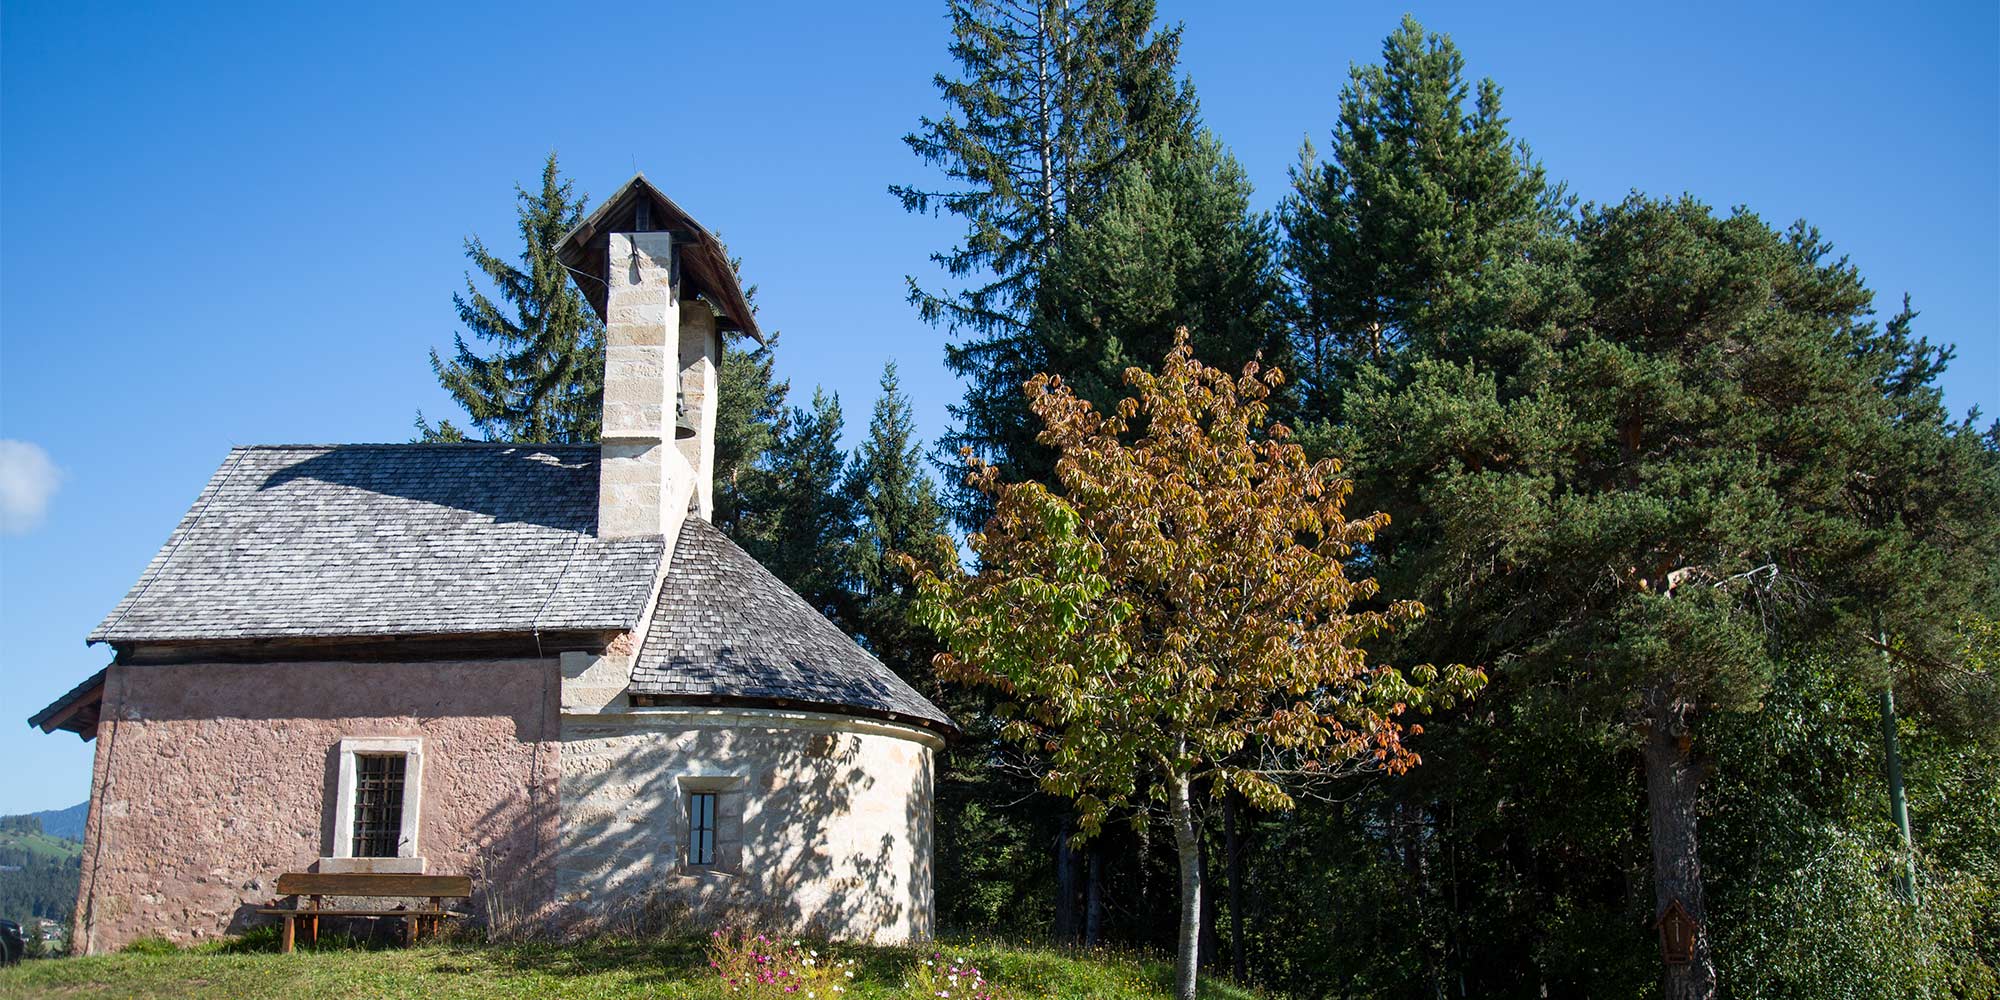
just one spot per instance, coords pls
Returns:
(1052, 97)
(544, 381)
(898, 513)
(1674, 510)
(800, 520)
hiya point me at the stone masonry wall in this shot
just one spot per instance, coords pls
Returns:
(213, 779)
(823, 822)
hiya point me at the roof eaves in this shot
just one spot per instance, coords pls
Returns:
(51, 718)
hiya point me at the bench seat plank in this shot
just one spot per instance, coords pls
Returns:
(280, 911)
(356, 884)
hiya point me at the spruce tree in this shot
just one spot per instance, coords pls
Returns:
(1173, 245)
(750, 407)
(1426, 221)
(1052, 97)
(544, 380)
(898, 513)
(800, 522)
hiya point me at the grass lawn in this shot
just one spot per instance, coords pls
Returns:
(599, 970)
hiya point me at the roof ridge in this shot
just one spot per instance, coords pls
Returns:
(399, 445)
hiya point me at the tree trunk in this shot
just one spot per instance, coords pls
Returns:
(1064, 930)
(1233, 846)
(1673, 792)
(1208, 901)
(1187, 839)
(1093, 896)
(1892, 769)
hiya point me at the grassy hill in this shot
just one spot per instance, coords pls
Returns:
(38, 872)
(600, 970)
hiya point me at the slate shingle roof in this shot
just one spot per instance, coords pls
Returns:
(390, 540)
(726, 629)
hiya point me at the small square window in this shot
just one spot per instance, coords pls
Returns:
(701, 828)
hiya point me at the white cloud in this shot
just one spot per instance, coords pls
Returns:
(27, 480)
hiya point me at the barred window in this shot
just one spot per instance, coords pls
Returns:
(701, 828)
(378, 804)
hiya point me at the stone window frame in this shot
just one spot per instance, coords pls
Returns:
(728, 791)
(407, 860)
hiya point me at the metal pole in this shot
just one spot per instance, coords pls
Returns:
(1899, 807)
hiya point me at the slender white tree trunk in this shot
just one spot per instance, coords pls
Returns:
(1187, 943)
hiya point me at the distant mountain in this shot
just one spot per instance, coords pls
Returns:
(64, 823)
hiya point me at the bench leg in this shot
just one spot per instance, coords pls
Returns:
(285, 937)
(409, 931)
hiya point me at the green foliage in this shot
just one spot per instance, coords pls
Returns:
(1051, 95)
(1799, 831)
(545, 380)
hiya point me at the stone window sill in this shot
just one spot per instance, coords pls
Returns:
(371, 866)
(704, 873)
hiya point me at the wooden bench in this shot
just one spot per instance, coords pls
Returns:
(416, 922)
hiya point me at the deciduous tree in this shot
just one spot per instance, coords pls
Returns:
(1174, 617)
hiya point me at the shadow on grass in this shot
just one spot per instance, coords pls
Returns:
(1095, 972)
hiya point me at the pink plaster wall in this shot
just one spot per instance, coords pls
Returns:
(213, 779)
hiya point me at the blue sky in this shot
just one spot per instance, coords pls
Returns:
(224, 226)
